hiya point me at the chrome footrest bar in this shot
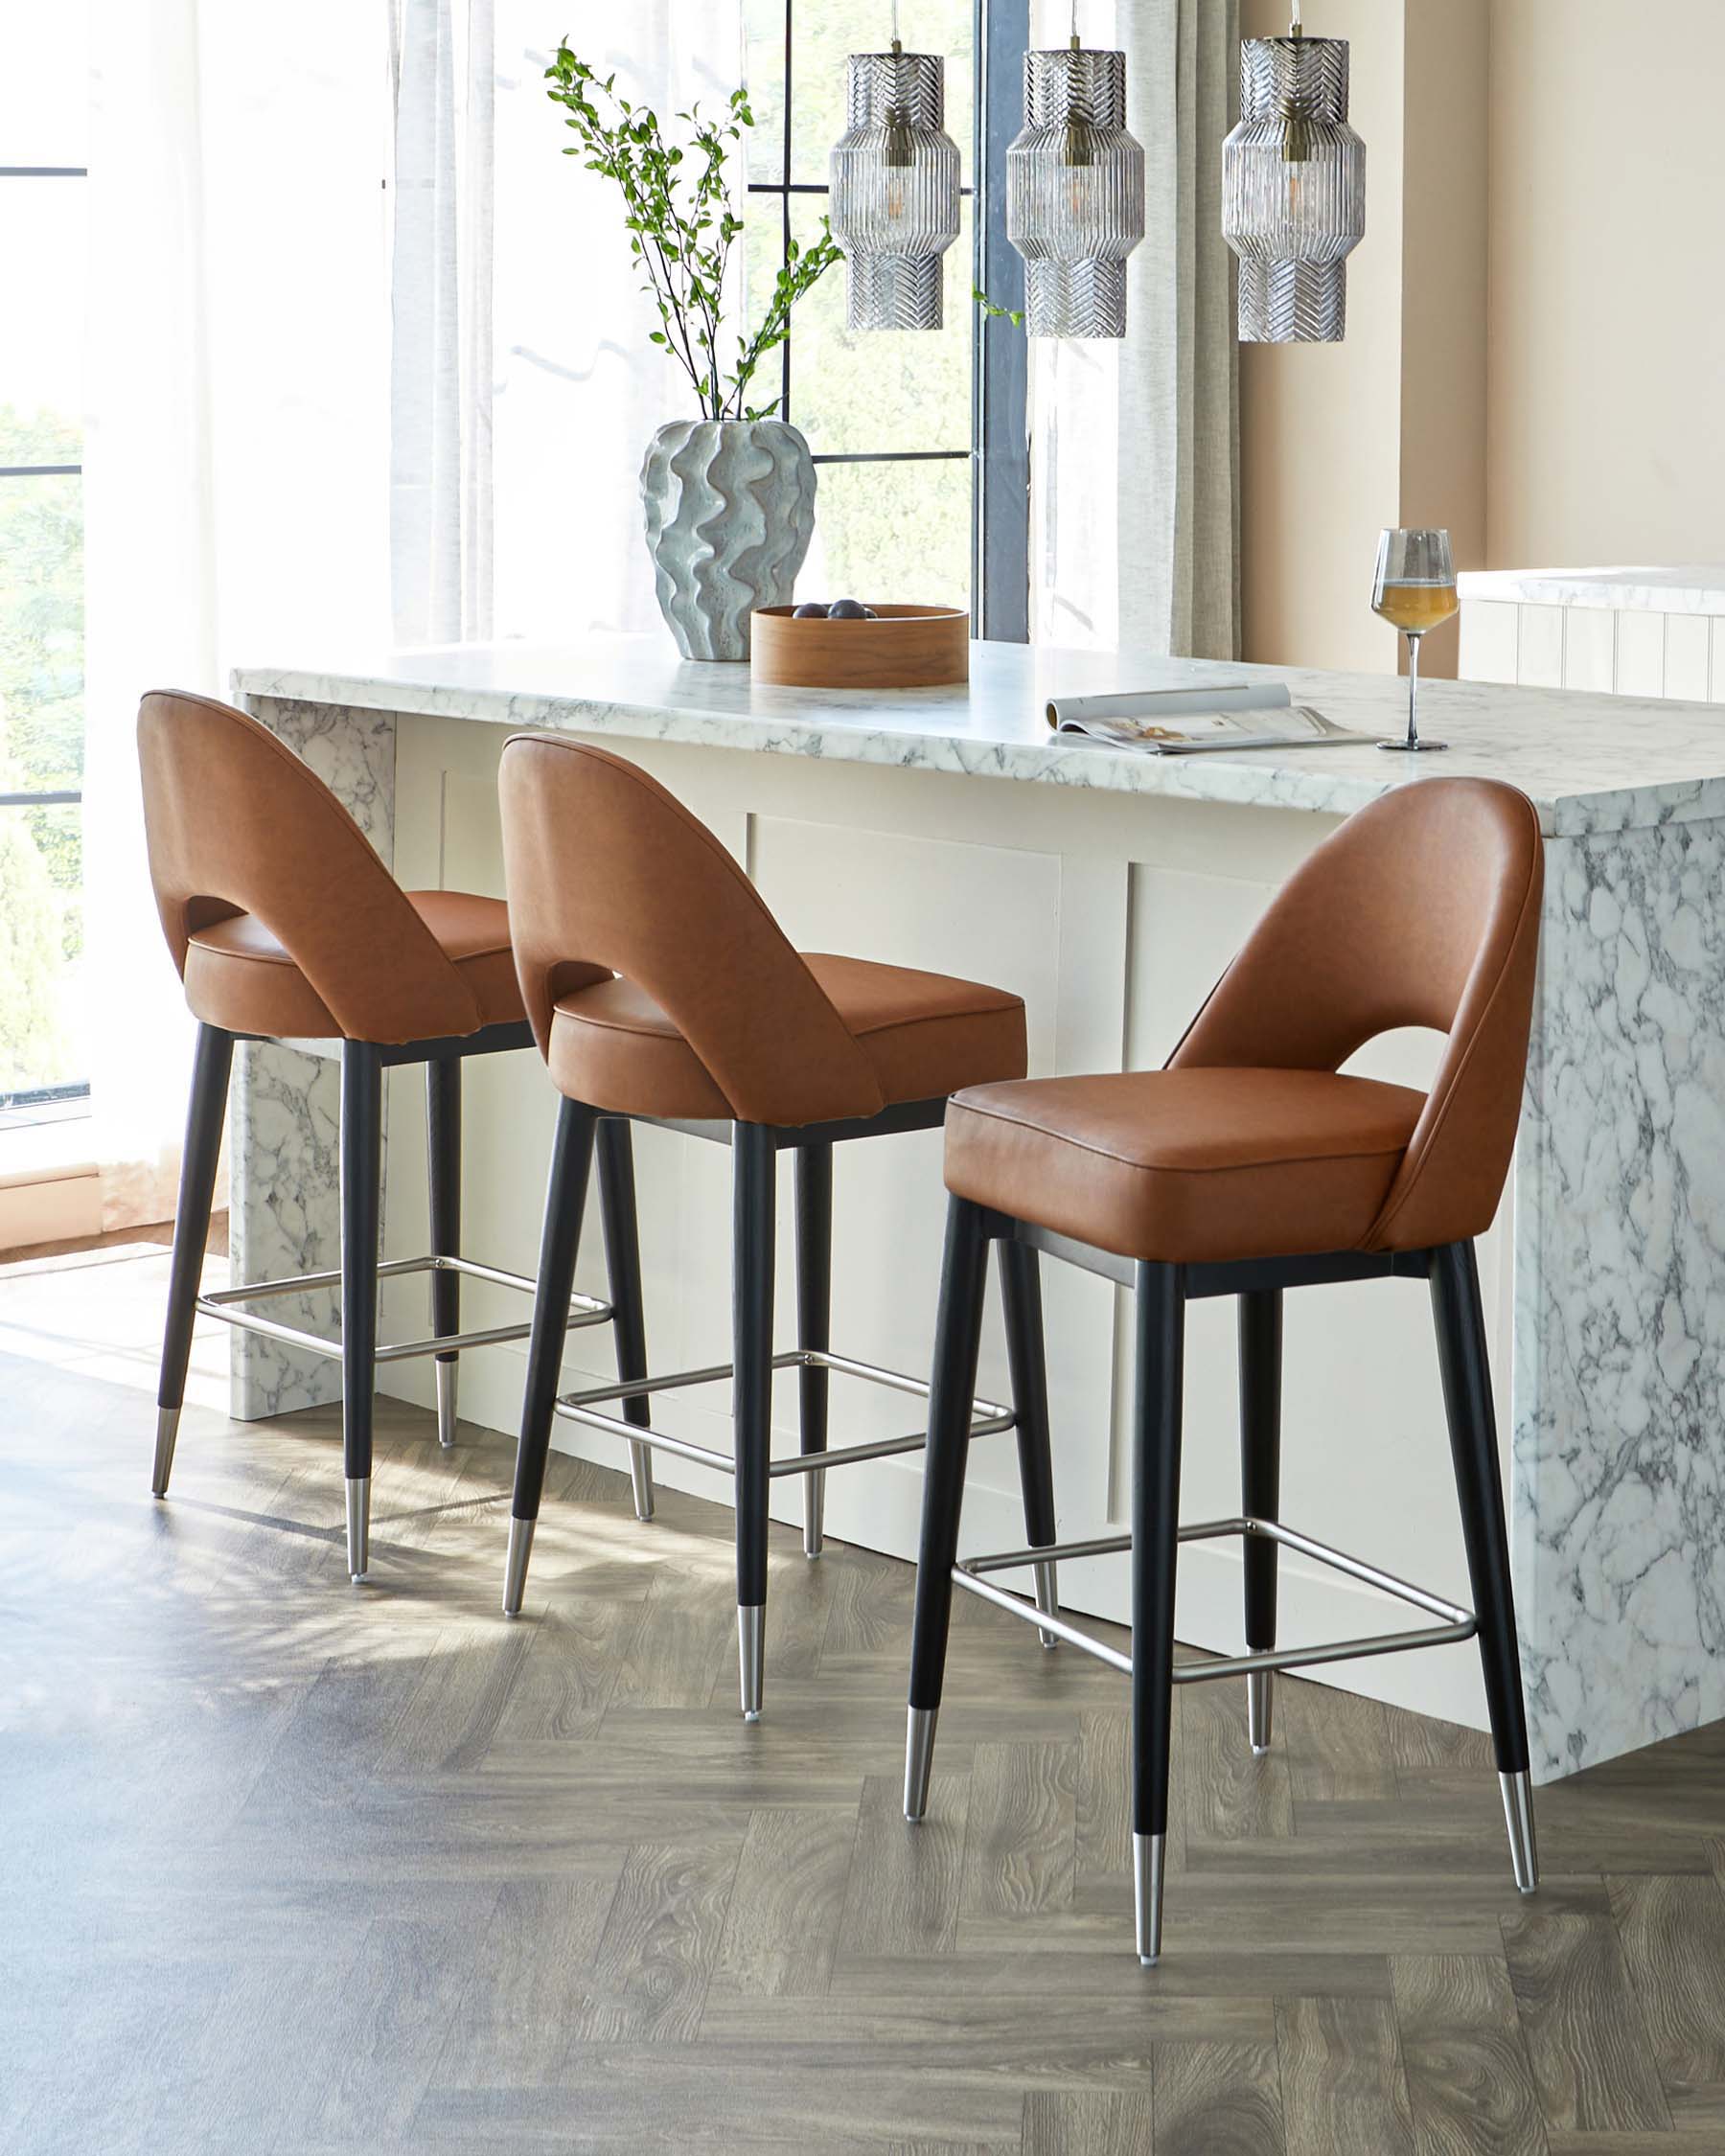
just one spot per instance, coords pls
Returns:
(1457, 1623)
(223, 1303)
(704, 1455)
(836, 1455)
(1045, 1620)
(392, 1268)
(987, 1418)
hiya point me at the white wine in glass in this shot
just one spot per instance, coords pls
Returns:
(1413, 590)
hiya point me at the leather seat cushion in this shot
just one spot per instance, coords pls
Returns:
(238, 975)
(1188, 1166)
(924, 1035)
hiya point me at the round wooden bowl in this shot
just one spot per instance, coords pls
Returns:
(907, 647)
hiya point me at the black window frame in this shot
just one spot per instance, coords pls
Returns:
(999, 453)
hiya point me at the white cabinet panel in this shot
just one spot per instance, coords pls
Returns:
(1686, 656)
(1639, 655)
(1589, 648)
(1490, 629)
(1185, 930)
(1540, 664)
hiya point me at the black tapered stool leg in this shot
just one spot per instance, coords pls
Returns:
(1020, 1294)
(623, 1268)
(814, 1323)
(559, 1239)
(1261, 1324)
(205, 1118)
(958, 1340)
(1159, 1363)
(361, 1180)
(443, 1150)
(1462, 1357)
(753, 1180)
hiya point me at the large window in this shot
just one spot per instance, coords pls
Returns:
(43, 79)
(918, 435)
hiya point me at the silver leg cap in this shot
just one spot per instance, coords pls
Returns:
(1149, 1866)
(1260, 1698)
(359, 1526)
(751, 1656)
(1518, 1817)
(515, 1571)
(1047, 1597)
(167, 1430)
(814, 1513)
(446, 1374)
(641, 1477)
(919, 1759)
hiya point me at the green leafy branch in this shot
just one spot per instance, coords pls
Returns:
(803, 268)
(1014, 316)
(681, 230)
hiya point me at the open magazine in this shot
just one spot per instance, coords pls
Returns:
(1190, 722)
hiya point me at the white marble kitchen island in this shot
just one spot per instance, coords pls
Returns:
(946, 829)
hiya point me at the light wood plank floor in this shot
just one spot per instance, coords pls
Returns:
(291, 1867)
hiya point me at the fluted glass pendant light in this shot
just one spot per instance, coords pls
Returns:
(1293, 188)
(1076, 191)
(895, 187)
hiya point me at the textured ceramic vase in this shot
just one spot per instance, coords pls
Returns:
(731, 511)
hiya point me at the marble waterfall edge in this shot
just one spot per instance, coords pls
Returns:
(1619, 1475)
(729, 507)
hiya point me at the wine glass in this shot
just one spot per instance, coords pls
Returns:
(1415, 589)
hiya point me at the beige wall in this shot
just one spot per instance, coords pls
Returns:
(1607, 309)
(1536, 315)
(1319, 423)
(1443, 294)
(1387, 427)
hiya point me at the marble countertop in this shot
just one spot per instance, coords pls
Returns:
(1589, 763)
(1697, 590)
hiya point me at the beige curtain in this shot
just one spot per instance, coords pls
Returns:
(1135, 467)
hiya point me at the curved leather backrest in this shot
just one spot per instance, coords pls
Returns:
(237, 823)
(608, 873)
(1422, 909)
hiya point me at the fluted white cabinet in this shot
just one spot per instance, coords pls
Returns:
(1628, 632)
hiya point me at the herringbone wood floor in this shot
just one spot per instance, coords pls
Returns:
(290, 1867)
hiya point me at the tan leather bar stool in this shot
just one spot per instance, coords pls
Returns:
(285, 925)
(1246, 1167)
(661, 989)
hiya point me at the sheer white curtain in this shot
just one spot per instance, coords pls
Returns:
(236, 481)
(316, 395)
(440, 412)
(524, 391)
(1135, 467)
(579, 391)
